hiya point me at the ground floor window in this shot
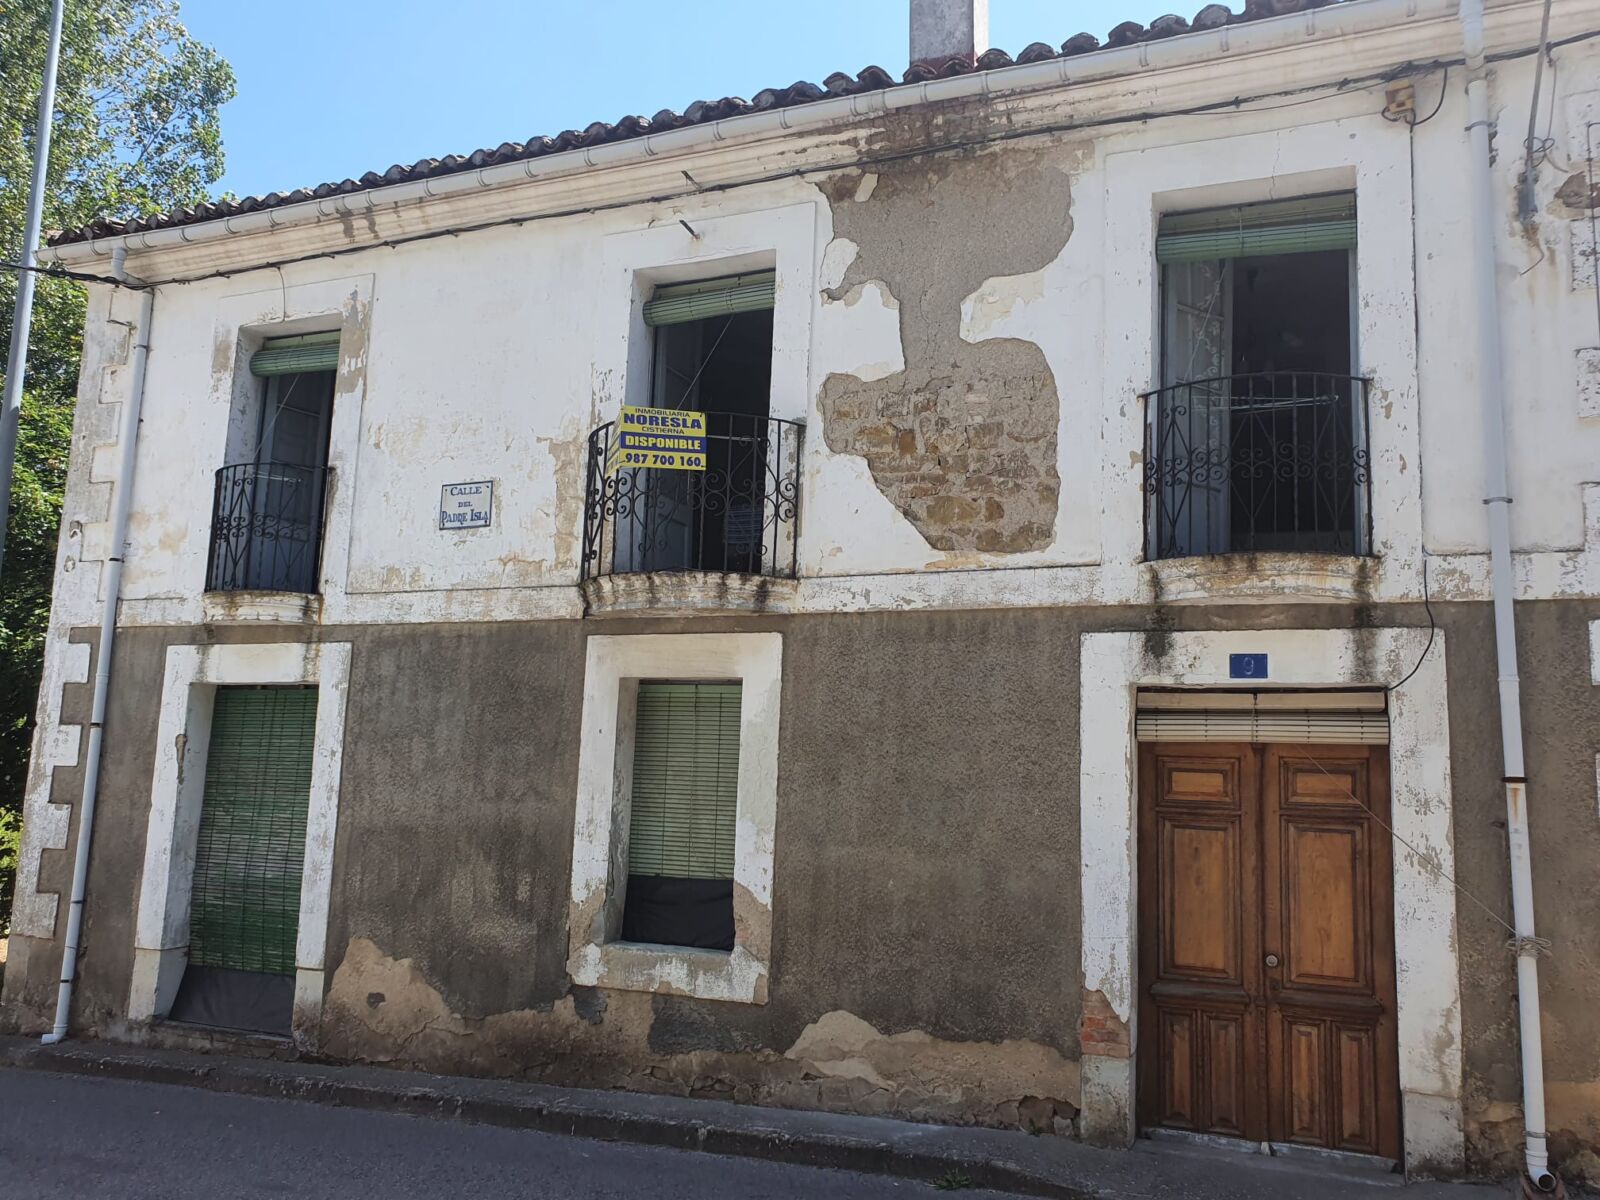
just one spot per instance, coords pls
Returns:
(682, 815)
(677, 801)
(244, 909)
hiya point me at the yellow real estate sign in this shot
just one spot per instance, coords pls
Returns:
(666, 439)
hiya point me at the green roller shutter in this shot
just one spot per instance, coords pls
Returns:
(295, 355)
(1276, 227)
(244, 910)
(680, 302)
(685, 780)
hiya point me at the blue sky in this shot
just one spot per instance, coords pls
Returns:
(330, 89)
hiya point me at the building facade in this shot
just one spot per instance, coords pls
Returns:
(964, 598)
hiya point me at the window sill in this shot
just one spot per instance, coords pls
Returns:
(670, 593)
(1274, 576)
(248, 607)
(737, 977)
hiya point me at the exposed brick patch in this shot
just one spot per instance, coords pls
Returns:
(1100, 1030)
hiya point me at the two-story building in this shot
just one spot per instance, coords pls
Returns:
(988, 596)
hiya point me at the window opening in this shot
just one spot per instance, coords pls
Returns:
(270, 497)
(1258, 432)
(713, 354)
(683, 813)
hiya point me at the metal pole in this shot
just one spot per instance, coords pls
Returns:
(22, 315)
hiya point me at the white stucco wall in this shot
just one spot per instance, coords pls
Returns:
(491, 355)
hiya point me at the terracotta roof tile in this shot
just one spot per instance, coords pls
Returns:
(869, 79)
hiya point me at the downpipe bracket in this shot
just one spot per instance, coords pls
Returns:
(1529, 947)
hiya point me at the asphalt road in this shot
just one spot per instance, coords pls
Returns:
(70, 1136)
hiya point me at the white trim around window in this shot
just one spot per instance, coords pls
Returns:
(161, 934)
(613, 669)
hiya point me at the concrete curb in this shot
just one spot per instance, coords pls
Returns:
(869, 1145)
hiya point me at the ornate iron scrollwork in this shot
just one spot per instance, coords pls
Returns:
(738, 515)
(1265, 462)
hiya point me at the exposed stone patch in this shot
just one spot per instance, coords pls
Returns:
(963, 440)
(1017, 1082)
(384, 1010)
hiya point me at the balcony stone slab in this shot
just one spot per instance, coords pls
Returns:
(672, 593)
(258, 607)
(1270, 577)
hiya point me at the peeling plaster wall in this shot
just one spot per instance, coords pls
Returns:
(921, 965)
(1545, 278)
(966, 336)
(962, 439)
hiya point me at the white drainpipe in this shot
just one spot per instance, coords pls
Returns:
(122, 493)
(1497, 499)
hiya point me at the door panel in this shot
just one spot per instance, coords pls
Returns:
(1200, 868)
(1325, 942)
(1327, 914)
(1179, 1069)
(1225, 1072)
(1355, 1057)
(1203, 963)
(1267, 953)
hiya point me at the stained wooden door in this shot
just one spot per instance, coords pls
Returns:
(1267, 945)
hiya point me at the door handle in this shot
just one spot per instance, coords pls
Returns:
(1272, 960)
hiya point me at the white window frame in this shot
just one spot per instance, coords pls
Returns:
(1330, 156)
(189, 688)
(612, 672)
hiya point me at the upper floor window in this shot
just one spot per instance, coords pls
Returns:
(267, 513)
(734, 510)
(1256, 439)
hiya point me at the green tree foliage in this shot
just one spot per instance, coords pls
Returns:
(136, 131)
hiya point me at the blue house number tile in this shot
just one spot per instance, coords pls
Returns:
(1247, 666)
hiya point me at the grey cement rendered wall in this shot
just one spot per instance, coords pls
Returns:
(926, 957)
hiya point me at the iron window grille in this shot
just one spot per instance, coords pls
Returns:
(1276, 461)
(266, 528)
(737, 516)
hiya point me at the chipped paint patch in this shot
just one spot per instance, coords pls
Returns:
(836, 260)
(994, 302)
(568, 461)
(385, 1010)
(1587, 369)
(955, 1078)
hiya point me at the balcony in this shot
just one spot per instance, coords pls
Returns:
(736, 518)
(1272, 463)
(266, 528)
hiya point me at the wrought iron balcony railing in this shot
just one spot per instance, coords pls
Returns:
(1255, 463)
(266, 528)
(738, 515)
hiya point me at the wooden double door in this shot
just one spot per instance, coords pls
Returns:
(1267, 944)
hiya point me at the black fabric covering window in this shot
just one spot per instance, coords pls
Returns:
(679, 912)
(253, 1001)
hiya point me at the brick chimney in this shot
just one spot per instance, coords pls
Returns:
(945, 29)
